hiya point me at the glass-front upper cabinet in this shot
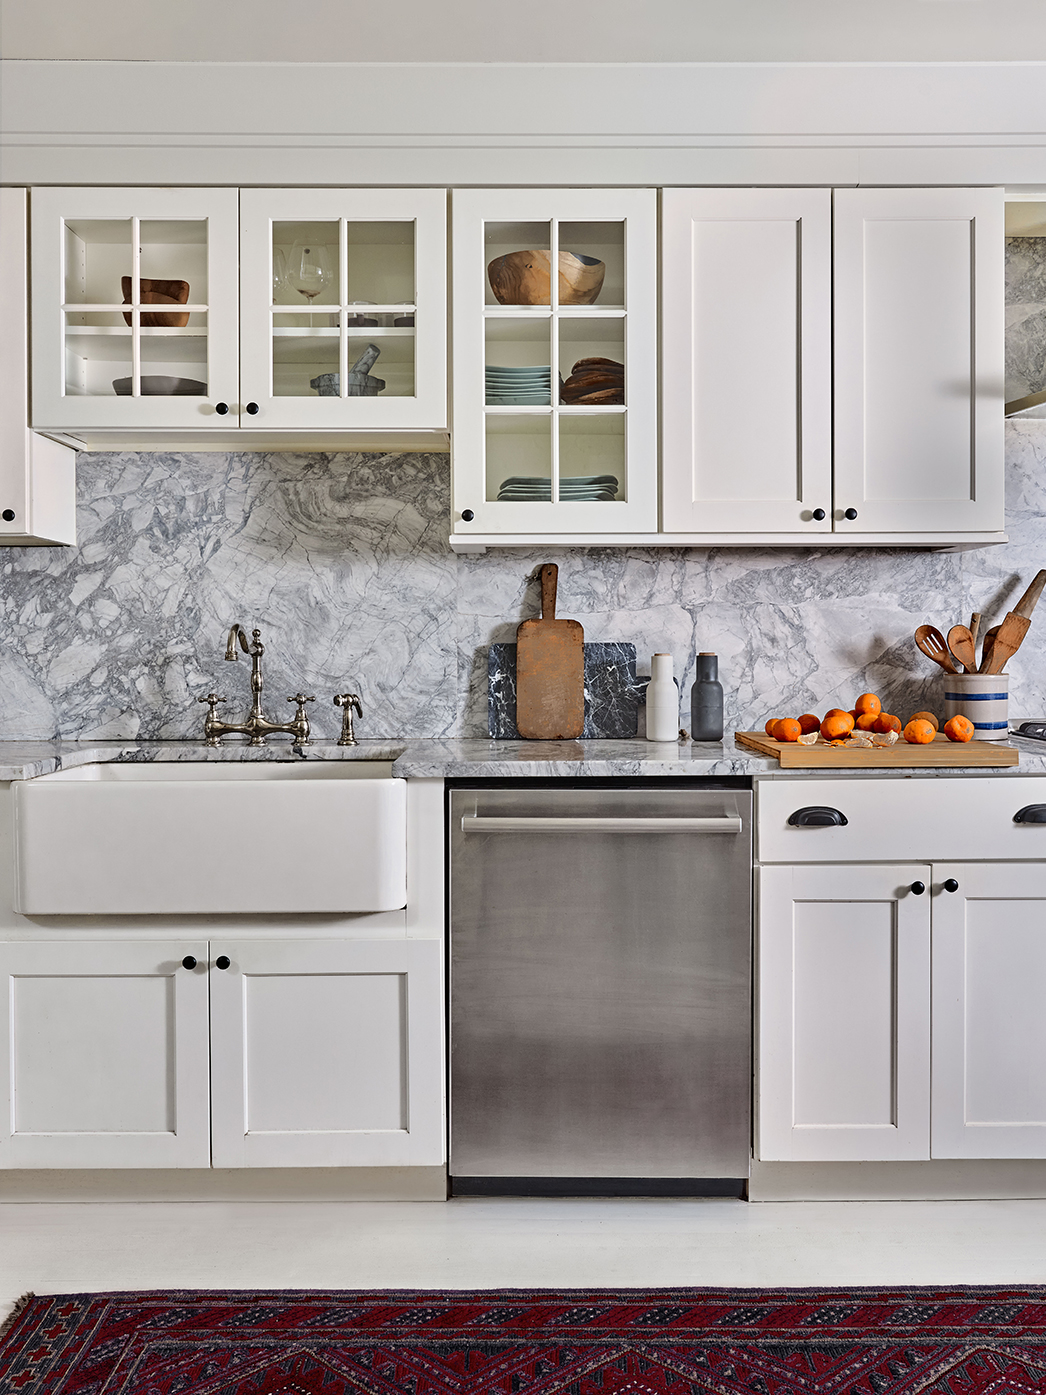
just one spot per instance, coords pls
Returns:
(343, 307)
(134, 307)
(555, 361)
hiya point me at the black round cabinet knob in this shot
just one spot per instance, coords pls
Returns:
(819, 515)
(467, 515)
(223, 961)
(189, 962)
(252, 409)
(9, 515)
(222, 408)
(917, 888)
(951, 884)
(851, 514)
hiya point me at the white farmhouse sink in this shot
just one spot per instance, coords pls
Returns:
(214, 837)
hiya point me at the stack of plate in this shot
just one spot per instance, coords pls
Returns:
(519, 387)
(589, 488)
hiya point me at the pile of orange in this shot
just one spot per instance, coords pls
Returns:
(867, 715)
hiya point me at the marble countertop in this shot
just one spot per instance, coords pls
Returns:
(439, 758)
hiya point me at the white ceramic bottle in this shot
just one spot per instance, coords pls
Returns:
(662, 701)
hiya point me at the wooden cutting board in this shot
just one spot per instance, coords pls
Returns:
(939, 752)
(550, 671)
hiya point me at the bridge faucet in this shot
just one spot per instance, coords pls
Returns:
(255, 726)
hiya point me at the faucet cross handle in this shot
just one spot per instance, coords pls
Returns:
(212, 699)
(347, 702)
(301, 699)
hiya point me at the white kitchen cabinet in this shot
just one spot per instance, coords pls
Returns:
(275, 1053)
(256, 338)
(521, 458)
(37, 476)
(843, 1037)
(912, 333)
(989, 1023)
(104, 1054)
(746, 360)
(381, 259)
(328, 1054)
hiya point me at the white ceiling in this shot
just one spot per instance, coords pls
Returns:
(483, 31)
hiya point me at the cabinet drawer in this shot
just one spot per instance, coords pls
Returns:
(920, 820)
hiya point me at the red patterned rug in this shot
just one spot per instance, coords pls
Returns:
(673, 1341)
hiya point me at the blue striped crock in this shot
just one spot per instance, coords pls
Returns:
(984, 698)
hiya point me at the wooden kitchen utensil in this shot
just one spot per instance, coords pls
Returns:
(931, 642)
(1030, 599)
(960, 642)
(550, 671)
(975, 625)
(986, 648)
(1007, 642)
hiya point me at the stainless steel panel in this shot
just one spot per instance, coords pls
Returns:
(600, 986)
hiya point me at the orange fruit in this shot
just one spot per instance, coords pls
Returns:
(808, 722)
(867, 720)
(868, 704)
(837, 724)
(769, 728)
(854, 713)
(787, 729)
(958, 729)
(919, 731)
(887, 722)
(836, 712)
(925, 717)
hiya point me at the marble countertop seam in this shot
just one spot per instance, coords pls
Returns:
(462, 758)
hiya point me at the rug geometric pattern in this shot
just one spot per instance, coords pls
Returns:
(672, 1341)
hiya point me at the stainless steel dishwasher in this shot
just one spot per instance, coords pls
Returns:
(600, 988)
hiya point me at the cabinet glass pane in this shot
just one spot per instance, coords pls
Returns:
(306, 267)
(519, 456)
(592, 457)
(518, 362)
(381, 266)
(173, 251)
(592, 361)
(521, 278)
(97, 256)
(589, 244)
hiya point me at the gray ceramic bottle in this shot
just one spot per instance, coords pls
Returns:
(706, 700)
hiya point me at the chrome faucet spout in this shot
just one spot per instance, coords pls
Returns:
(236, 633)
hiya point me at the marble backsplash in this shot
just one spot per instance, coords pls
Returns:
(343, 562)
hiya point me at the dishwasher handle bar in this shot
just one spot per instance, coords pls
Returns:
(478, 823)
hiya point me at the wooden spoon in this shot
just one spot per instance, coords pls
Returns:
(960, 642)
(931, 642)
(1007, 641)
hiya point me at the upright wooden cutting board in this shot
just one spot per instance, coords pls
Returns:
(939, 752)
(550, 671)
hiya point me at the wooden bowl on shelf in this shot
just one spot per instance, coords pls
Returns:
(159, 293)
(525, 278)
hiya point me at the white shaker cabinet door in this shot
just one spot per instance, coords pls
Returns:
(989, 1010)
(746, 325)
(918, 360)
(327, 1054)
(843, 1013)
(104, 1055)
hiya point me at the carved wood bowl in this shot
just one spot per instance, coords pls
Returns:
(159, 293)
(525, 278)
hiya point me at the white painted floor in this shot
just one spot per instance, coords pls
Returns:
(466, 1243)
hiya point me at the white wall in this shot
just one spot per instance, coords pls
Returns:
(403, 31)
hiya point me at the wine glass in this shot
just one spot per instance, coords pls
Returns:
(309, 270)
(279, 274)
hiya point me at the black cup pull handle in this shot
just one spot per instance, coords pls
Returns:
(222, 962)
(189, 962)
(951, 884)
(917, 888)
(1031, 813)
(817, 816)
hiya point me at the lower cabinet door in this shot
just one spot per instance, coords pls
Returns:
(104, 1054)
(843, 1043)
(989, 1010)
(327, 1053)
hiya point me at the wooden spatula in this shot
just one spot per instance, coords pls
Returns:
(550, 671)
(1007, 642)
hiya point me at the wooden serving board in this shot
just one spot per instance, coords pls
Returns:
(939, 752)
(550, 671)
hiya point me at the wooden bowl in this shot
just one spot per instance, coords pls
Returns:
(159, 293)
(525, 278)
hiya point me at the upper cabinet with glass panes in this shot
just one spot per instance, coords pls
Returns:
(264, 310)
(555, 425)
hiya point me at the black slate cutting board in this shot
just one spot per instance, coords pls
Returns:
(613, 693)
